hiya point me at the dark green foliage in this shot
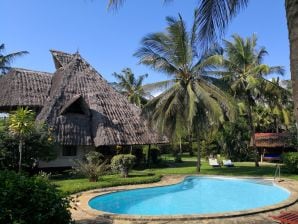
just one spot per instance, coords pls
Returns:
(37, 145)
(31, 200)
(154, 155)
(140, 156)
(123, 163)
(290, 160)
(233, 140)
(165, 148)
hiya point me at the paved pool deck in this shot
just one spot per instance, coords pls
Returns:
(83, 214)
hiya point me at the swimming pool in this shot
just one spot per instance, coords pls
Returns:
(195, 195)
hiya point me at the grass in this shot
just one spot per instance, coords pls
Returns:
(72, 185)
(75, 185)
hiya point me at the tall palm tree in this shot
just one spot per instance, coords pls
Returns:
(130, 86)
(216, 14)
(191, 101)
(279, 103)
(21, 124)
(6, 60)
(245, 72)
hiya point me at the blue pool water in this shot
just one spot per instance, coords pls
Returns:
(195, 195)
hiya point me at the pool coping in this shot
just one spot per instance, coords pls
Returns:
(83, 198)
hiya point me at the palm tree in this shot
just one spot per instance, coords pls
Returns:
(21, 124)
(216, 14)
(279, 103)
(131, 87)
(244, 71)
(191, 102)
(6, 60)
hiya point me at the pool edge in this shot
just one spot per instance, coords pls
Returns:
(175, 179)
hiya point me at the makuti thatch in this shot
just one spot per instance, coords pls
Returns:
(81, 107)
(21, 88)
(273, 140)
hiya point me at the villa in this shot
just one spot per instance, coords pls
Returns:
(83, 111)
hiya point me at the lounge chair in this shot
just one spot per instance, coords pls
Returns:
(228, 163)
(213, 162)
(287, 217)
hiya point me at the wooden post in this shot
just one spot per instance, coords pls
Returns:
(131, 150)
(148, 156)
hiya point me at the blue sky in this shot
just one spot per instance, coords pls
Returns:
(107, 40)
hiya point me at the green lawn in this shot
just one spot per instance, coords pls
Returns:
(73, 184)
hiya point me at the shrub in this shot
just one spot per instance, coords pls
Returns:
(140, 156)
(290, 160)
(31, 200)
(92, 167)
(154, 155)
(123, 163)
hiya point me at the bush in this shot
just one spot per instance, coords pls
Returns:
(31, 200)
(123, 163)
(92, 167)
(154, 155)
(290, 160)
(140, 156)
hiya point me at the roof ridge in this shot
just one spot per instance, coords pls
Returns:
(57, 51)
(30, 70)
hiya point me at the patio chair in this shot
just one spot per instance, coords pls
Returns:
(213, 162)
(287, 217)
(227, 163)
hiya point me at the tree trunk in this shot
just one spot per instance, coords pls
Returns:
(190, 145)
(276, 125)
(130, 150)
(148, 156)
(252, 134)
(292, 21)
(180, 146)
(20, 154)
(198, 156)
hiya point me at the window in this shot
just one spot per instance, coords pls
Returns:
(69, 150)
(75, 108)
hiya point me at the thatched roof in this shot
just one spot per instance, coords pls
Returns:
(272, 140)
(83, 109)
(21, 87)
(61, 58)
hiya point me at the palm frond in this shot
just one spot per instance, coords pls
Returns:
(159, 86)
(214, 17)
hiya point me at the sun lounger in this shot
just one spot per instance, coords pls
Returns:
(287, 217)
(228, 163)
(213, 162)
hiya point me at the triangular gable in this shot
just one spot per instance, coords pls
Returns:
(75, 105)
(60, 58)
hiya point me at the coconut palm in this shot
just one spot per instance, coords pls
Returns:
(130, 86)
(21, 124)
(6, 60)
(245, 72)
(278, 100)
(216, 14)
(191, 102)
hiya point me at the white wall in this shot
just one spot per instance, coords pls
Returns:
(63, 161)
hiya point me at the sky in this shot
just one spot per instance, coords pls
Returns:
(108, 39)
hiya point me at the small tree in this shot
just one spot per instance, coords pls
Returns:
(21, 124)
(39, 145)
(123, 163)
(92, 167)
